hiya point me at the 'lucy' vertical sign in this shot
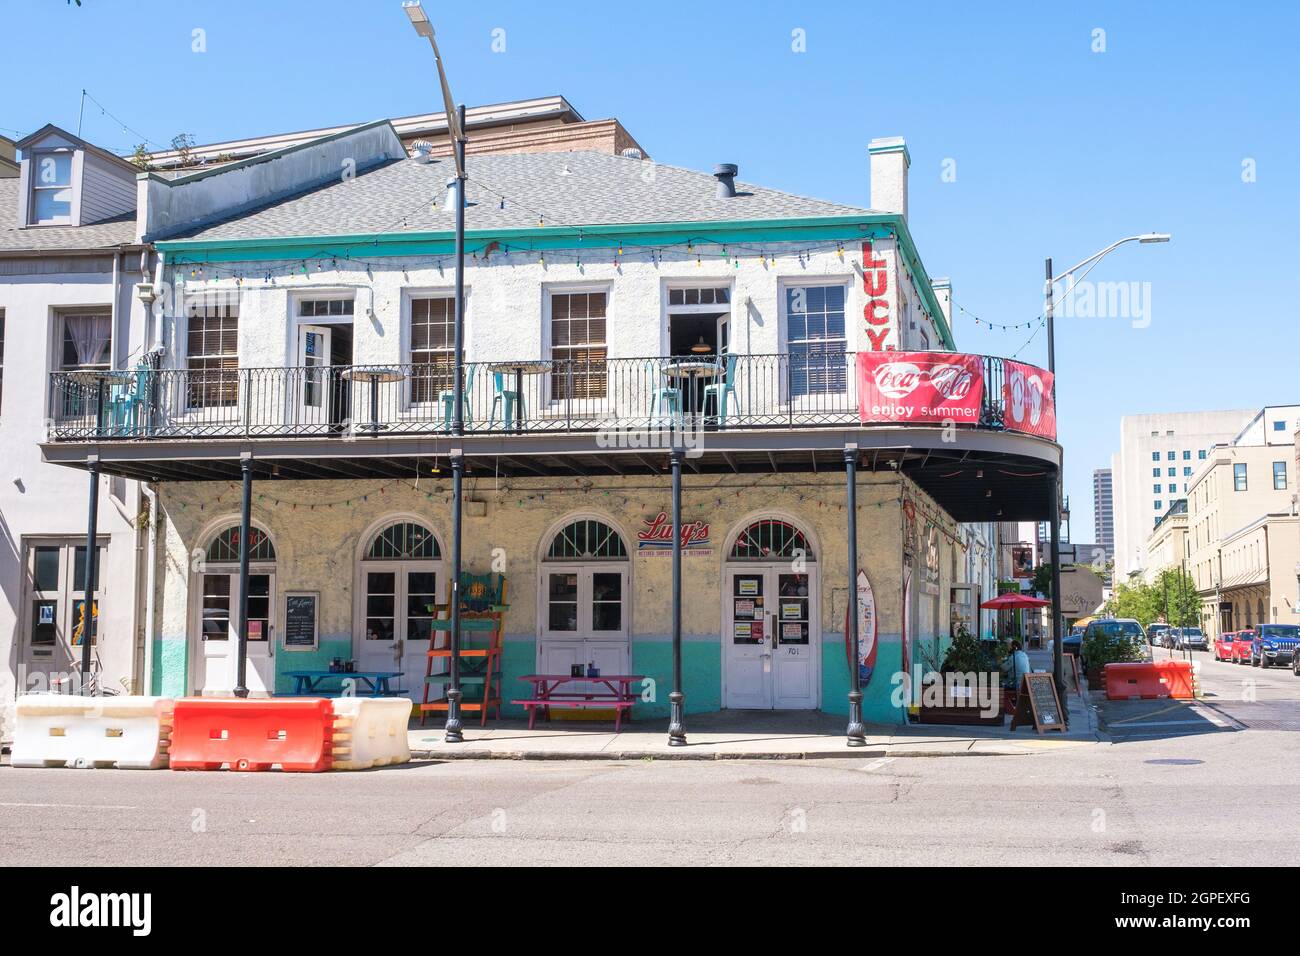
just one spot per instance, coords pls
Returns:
(877, 314)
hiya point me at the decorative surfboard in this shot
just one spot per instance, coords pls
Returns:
(867, 627)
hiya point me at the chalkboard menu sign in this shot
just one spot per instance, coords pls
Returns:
(1038, 702)
(300, 619)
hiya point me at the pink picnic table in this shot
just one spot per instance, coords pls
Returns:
(565, 690)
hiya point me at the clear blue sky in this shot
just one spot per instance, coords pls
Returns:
(1058, 150)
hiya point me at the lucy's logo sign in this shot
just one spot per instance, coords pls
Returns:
(657, 538)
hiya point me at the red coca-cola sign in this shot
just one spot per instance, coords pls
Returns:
(920, 387)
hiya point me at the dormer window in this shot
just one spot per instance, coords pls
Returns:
(51, 202)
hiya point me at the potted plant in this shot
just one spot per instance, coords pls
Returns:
(970, 667)
(1108, 642)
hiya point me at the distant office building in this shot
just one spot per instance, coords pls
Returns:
(1103, 511)
(1157, 458)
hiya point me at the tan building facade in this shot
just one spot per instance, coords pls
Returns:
(1232, 502)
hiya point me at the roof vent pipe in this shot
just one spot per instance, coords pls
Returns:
(725, 174)
(453, 188)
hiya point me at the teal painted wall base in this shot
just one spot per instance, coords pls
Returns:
(877, 707)
(310, 659)
(701, 676)
(171, 661)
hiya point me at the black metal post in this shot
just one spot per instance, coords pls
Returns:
(458, 385)
(856, 733)
(245, 532)
(676, 725)
(1058, 659)
(88, 583)
(454, 730)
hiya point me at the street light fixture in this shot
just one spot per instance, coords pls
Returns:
(1058, 660)
(454, 731)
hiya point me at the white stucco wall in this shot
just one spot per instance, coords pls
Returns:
(41, 500)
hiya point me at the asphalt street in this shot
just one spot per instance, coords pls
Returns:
(1211, 783)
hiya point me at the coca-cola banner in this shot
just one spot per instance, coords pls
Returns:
(1027, 395)
(920, 387)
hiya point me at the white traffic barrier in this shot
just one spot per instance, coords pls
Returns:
(62, 730)
(370, 732)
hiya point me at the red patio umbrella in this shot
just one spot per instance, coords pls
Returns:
(1012, 601)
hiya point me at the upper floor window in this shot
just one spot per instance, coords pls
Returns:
(85, 341)
(1169, 455)
(1279, 426)
(212, 354)
(1155, 472)
(815, 339)
(578, 344)
(433, 339)
(51, 201)
(1279, 475)
(1187, 455)
(1239, 476)
(1155, 456)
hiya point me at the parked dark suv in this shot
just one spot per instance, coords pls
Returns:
(1274, 644)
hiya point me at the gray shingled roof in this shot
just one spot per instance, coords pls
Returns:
(101, 235)
(577, 188)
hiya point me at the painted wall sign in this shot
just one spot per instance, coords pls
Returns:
(920, 387)
(878, 313)
(657, 536)
(1027, 396)
(867, 630)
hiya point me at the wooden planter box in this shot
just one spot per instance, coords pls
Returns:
(959, 713)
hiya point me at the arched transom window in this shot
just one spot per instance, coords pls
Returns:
(769, 539)
(225, 546)
(404, 541)
(587, 540)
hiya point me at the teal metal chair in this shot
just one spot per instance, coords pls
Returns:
(126, 403)
(664, 399)
(723, 392)
(507, 400)
(448, 399)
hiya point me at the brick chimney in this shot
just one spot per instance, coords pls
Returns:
(889, 162)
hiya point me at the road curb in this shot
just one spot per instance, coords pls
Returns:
(559, 755)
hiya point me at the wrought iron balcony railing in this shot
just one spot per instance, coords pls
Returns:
(526, 396)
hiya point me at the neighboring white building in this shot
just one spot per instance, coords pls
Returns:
(69, 266)
(1158, 455)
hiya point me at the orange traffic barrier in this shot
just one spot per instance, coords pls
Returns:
(1149, 680)
(252, 734)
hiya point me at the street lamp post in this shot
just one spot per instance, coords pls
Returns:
(456, 128)
(1058, 660)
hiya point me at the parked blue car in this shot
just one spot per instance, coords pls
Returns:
(1274, 644)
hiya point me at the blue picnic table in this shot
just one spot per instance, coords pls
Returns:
(312, 683)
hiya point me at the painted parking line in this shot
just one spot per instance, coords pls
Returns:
(71, 806)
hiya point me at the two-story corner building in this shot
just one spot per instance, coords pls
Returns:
(633, 332)
(69, 268)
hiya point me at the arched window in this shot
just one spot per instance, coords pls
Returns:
(404, 541)
(225, 546)
(584, 582)
(587, 540)
(770, 539)
(400, 584)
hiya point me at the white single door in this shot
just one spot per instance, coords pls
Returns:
(314, 343)
(396, 627)
(771, 639)
(218, 628)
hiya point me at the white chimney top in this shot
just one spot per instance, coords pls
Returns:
(889, 162)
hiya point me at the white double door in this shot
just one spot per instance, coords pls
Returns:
(771, 638)
(396, 619)
(584, 619)
(218, 632)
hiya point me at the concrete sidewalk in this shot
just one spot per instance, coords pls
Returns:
(743, 735)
